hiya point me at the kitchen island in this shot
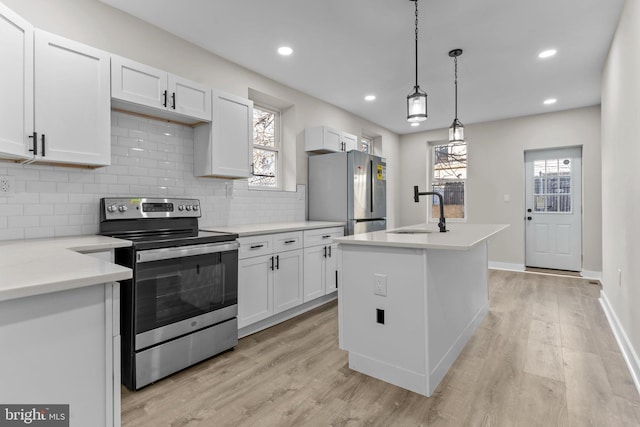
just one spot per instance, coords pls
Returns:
(410, 299)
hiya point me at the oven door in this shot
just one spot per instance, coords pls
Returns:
(183, 289)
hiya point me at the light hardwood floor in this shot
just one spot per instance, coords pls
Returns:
(544, 356)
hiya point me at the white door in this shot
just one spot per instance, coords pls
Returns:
(232, 145)
(314, 272)
(16, 84)
(139, 83)
(255, 281)
(72, 101)
(553, 217)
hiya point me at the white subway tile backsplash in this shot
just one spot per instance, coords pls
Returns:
(63, 201)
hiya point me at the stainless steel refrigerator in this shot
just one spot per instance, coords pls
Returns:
(349, 187)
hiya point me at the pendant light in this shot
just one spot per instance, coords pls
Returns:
(417, 100)
(456, 131)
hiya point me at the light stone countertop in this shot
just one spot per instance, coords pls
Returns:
(278, 227)
(40, 266)
(458, 237)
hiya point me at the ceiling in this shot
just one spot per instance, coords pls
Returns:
(346, 49)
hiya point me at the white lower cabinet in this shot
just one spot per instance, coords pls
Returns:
(320, 262)
(272, 283)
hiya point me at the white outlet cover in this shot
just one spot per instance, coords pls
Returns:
(380, 284)
(7, 185)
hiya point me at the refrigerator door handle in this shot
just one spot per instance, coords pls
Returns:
(371, 192)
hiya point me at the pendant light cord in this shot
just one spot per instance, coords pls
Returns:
(455, 61)
(416, 86)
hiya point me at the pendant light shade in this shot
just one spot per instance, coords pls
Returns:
(417, 106)
(416, 100)
(456, 131)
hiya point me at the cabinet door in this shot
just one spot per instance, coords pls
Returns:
(72, 101)
(138, 83)
(349, 141)
(331, 268)
(332, 140)
(189, 98)
(225, 147)
(255, 284)
(287, 280)
(314, 272)
(16, 84)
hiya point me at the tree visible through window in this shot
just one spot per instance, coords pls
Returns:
(449, 176)
(266, 146)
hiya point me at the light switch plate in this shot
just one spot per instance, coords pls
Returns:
(380, 284)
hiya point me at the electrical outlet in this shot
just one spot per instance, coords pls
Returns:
(7, 185)
(380, 284)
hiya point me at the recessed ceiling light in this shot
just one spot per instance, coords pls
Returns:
(547, 53)
(285, 50)
(414, 124)
(550, 101)
(370, 98)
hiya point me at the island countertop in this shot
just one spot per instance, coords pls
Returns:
(39, 266)
(427, 236)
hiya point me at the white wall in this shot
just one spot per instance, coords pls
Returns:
(96, 24)
(621, 195)
(496, 167)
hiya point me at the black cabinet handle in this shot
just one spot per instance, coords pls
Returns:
(34, 150)
(173, 100)
(326, 236)
(164, 102)
(271, 267)
(329, 251)
(286, 242)
(529, 218)
(256, 246)
(325, 251)
(43, 145)
(336, 279)
(277, 262)
(528, 210)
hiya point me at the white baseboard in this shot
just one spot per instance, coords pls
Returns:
(593, 275)
(629, 354)
(505, 266)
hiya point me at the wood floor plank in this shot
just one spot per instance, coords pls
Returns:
(541, 403)
(294, 374)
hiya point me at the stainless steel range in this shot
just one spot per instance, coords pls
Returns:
(180, 306)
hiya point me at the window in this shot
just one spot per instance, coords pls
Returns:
(366, 145)
(266, 148)
(552, 185)
(448, 177)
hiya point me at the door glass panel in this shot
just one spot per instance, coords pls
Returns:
(552, 185)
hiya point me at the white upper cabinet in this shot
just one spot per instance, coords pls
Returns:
(139, 86)
(16, 84)
(56, 102)
(224, 147)
(323, 139)
(72, 102)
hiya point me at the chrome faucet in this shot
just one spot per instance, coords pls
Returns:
(442, 224)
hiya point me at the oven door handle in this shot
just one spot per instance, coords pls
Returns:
(184, 251)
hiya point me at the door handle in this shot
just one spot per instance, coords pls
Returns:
(173, 100)
(164, 102)
(529, 218)
(43, 144)
(529, 210)
(271, 266)
(329, 251)
(325, 252)
(34, 150)
(277, 262)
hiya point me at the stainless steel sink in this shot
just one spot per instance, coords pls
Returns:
(410, 231)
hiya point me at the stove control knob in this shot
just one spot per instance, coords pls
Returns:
(180, 208)
(195, 207)
(188, 207)
(122, 208)
(111, 208)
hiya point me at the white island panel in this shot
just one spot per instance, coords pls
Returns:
(435, 299)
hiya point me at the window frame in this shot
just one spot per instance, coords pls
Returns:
(431, 181)
(277, 149)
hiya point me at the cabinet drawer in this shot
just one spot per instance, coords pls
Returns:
(287, 241)
(322, 236)
(255, 246)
